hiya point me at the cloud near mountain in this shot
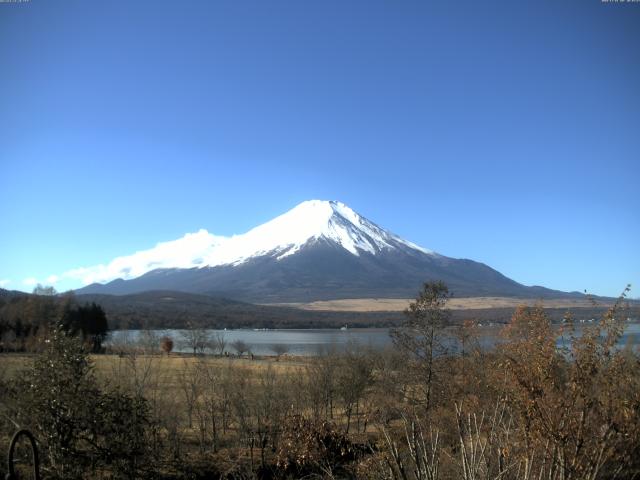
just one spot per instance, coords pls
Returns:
(186, 252)
(282, 236)
(318, 250)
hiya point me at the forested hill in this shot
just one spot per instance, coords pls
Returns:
(168, 309)
(27, 320)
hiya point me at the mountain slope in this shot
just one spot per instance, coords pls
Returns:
(317, 251)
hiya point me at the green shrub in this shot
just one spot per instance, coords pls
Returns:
(79, 427)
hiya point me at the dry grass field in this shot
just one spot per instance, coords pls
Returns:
(352, 414)
(165, 371)
(399, 304)
(172, 366)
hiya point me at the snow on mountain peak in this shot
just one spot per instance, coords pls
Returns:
(310, 220)
(285, 235)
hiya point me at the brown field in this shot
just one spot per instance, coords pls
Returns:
(349, 415)
(112, 367)
(162, 371)
(175, 364)
(399, 304)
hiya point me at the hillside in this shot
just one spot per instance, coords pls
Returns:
(319, 250)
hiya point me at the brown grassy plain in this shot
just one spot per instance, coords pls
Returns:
(400, 304)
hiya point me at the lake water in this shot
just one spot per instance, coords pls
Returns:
(312, 342)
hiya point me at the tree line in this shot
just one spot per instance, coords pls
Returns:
(26, 321)
(524, 409)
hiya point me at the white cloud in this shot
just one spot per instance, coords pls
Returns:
(282, 236)
(186, 252)
(30, 282)
(51, 279)
(4, 282)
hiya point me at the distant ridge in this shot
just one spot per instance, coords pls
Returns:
(319, 250)
(171, 309)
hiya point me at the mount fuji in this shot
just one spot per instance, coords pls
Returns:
(319, 250)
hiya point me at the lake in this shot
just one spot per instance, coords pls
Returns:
(312, 342)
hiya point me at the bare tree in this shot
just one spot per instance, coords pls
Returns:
(280, 349)
(354, 374)
(120, 342)
(190, 382)
(138, 372)
(148, 341)
(218, 343)
(420, 457)
(269, 408)
(196, 339)
(241, 401)
(44, 290)
(321, 384)
(213, 408)
(240, 347)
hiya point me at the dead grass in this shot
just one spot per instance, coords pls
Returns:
(107, 367)
(12, 362)
(399, 304)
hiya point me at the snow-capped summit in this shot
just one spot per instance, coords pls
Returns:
(319, 250)
(309, 221)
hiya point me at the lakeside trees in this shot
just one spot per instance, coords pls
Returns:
(196, 338)
(25, 321)
(523, 410)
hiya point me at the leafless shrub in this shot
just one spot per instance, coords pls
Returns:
(196, 339)
(218, 343)
(280, 349)
(240, 347)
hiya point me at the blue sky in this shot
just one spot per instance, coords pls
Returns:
(505, 132)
